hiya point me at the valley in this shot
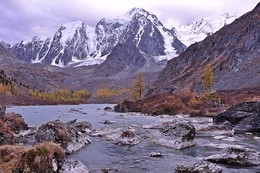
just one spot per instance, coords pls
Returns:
(129, 94)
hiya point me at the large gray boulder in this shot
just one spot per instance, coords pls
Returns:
(245, 117)
(178, 136)
(71, 135)
(236, 156)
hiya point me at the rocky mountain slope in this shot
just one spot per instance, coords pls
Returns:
(39, 76)
(233, 53)
(77, 44)
(200, 29)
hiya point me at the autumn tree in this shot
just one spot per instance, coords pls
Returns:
(208, 78)
(138, 91)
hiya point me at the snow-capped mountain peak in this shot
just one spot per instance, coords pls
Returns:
(69, 29)
(200, 29)
(135, 11)
(77, 44)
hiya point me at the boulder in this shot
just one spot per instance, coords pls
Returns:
(108, 109)
(178, 136)
(203, 167)
(118, 136)
(74, 166)
(245, 117)
(124, 137)
(236, 156)
(216, 130)
(71, 135)
(123, 106)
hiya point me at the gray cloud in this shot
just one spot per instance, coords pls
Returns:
(23, 19)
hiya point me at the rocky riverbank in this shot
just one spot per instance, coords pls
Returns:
(134, 142)
(52, 141)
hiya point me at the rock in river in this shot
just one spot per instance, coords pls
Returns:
(203, 167)
(245, 117)
(178, 136)
(74, 166)
(71, 135)
(236, 156)
(124, 137)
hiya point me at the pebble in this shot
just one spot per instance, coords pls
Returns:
(220, 137)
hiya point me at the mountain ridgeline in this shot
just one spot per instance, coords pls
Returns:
(76, 44)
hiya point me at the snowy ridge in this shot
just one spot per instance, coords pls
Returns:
(200, 29)
(69, 29)
(77, 44)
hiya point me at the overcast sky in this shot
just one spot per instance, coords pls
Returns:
(23, 19)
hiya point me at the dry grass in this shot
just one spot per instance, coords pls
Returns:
(30, 159)
(232, 97)
(160, 104)
(15, 122)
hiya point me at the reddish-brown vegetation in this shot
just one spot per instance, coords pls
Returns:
(207, 104)
(157, 104)
(38, 158)
(232, 97)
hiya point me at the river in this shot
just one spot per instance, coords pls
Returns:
(100, 154)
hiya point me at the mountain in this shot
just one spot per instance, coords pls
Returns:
(233, 53)
(38, 76)
(200, 29)
(144, 43)
(77, 44)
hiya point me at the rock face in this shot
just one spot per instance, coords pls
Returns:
(45, 157)
(233, 52)
(236, 156)
(71, 135)
(180, 135)
(243, 116)
(203, 167)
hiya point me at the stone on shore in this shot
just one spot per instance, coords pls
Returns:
(245, 117)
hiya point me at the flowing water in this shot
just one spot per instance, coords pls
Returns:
(100, 154)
